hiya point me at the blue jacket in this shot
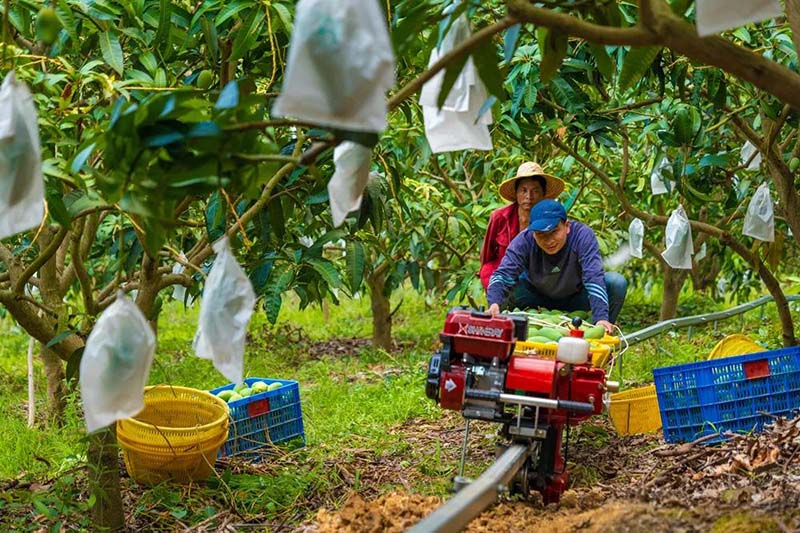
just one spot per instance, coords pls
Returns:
(577, 266)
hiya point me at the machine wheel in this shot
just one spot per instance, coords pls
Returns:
(521, 484)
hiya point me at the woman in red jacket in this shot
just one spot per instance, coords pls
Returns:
(530, 185)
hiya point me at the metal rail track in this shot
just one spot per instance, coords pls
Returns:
(473, 499)
(470, 501)
(695, 320)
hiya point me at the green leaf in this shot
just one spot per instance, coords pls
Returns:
(485, 59)
(409, 27)
(211, 38)
(74, 364)
(112, 51)
(450, 75)
(356, 263)
(315, 250)
(247, 35)
(67, 19)
(230, 10)
(284, 15)
(57, 209)
(58, 338)
(553, 47)
(602, 59)
(272, 297)
(327, 271)
(510, 42)
(161, 39)
(635, 64)
(149, 61)
(413, 274)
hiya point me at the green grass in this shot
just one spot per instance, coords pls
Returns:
(350, 402)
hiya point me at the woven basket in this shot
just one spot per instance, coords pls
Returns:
(175, 437)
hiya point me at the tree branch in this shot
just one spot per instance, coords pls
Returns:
(681, 37)
(263, 124)
(266, 195)
(595, 33)
(40, 259)
(84, 280)
(464, 48)
(659, 26)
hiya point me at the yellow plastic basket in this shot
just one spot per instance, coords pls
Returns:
(600, 353)
(175, 437)
(635, 411)
(609, 340)
(736, 344)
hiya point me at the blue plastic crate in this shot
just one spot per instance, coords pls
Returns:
(728, 394)
(263, 420)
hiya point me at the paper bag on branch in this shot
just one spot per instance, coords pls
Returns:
(636, 237)
(659, 184)
(346, 187)
(116, 364)
(759, 222)
(225, 311)
(679, 240)
(21, 182)
(340, 65)
(747, 152)
(458, 124)
(714, 16)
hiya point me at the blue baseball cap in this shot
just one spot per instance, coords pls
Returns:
(546, 215)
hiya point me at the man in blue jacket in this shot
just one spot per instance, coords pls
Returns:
(564, 269)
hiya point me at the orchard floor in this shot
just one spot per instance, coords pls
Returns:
(620, 483)
(380, 455)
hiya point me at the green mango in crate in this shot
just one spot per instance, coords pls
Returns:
(540, 339)
(595, 332)
(553, 333)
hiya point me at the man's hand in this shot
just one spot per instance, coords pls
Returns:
(609, 327)
(494, 309)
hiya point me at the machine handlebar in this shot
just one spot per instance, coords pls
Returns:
(547, 403)
(577, 407)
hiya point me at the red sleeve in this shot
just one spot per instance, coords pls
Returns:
(489, 250)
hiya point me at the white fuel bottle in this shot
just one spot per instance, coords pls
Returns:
(573, 350)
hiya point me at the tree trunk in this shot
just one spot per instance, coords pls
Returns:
(381, 313)
(149, 280)
(56, 385)
(49, 287)
(673, 283)
(103, 471)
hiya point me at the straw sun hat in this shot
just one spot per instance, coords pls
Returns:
(553, 185)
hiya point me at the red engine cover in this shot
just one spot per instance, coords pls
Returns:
(451, 388)
(532, 374)
(481, 336)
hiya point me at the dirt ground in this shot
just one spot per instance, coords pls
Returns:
(619, 483)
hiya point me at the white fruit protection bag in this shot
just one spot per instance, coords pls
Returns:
(225, 311)
(636, 237)
(457, 125)
(340, 66)
(658, 183)
(179, 291)
(747, 152)
(701, 254)
(116, 364)
(759, 222)
(346, 187)
(21, 182)
(714, 16)
(679, 240)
